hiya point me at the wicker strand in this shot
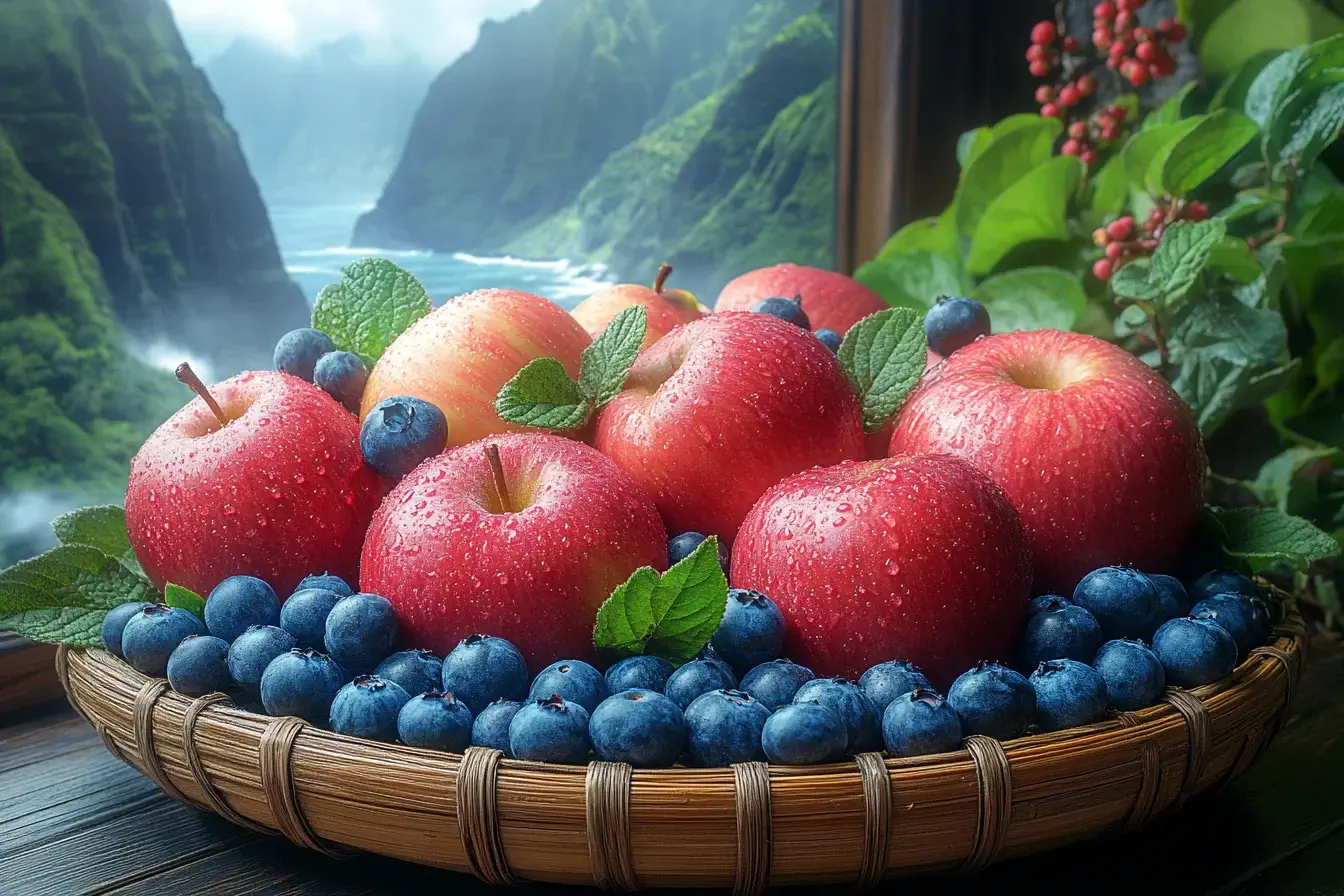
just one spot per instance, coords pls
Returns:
(277, 780)
(1150, 778)
(877, 818)
(63, 676)
(143, 726)
(994, 776)
(1290, 676)
(209, 792)
(1198, 738)
(478, 818)
(751, 797)
(606, 795)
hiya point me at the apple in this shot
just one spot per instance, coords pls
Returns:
(920, 558)
(533, 566)
(832, 301)
(1102, 459)
(459, 356)
(279, 492)
(666, 308)
(724, 407)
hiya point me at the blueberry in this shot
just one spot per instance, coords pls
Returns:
(417, 671)
(851, 704)
(1062, 631)
(752, 630)
(199, 666)
(920, 722)
(1123, 600)
(574, 680)
(360, 632)
(151, 635)
(436, 721)
(993, 700)
(679, 547)
(698, 677)
(954, 322)
(342, 376)
(305, 614)
(114, 623)
(1246, 619)
(252, 651)
(301, 682)
(1222, 581)
(298, 350)
(803, 734)
(1045, 601)
(327, 582)
(482, 669)
(711, 655)
(649, 673)
(725, 727)
(239, 602)
(830, 339)
(1068, 694)
(1194, 651)
(400, 433)
(885, 682)
(790, 310)
(368, 707)
(550, 730)
(1133, 674)
(640, 727)
(1172, 601)
(774, 683)
(491, 727)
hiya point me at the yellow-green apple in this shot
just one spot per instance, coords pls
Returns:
(1102, 459)
(530, 559)
(832, 301)
(459, 356)
(920, 558)
(279, 492)
(665, 308)
(724, 407)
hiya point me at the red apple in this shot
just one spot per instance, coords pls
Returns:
(454, 562)
(1100, 456)
(279, 493)
(832, 301)
(460, 355)
(920, 558)
(722, 408)
(666, 308)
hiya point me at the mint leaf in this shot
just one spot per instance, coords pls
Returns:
(1312, 124)
(103, 527)
(671, 615)
(1233, 257)
(184, 599)
(62, 596)
(1039, 298)
(372, 305)
(1200, 153)
(913, 279)
(542, 394)
(883, 356)
(606, 363)
(1182, 256)
(1033, 209)
(1132, 282)
(1261, 535)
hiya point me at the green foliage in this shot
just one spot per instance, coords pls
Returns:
(184, 599)
(1263, 535)
(883, 356)
(102, 527)
(62, 596)
(374, 303)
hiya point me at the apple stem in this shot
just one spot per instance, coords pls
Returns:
(188, 377)
(497, 474)
(664, 271)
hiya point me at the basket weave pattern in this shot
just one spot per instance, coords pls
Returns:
(746, 827)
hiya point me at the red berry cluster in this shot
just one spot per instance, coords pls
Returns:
(1123, 240)
(1103, 126)
(1138, 53)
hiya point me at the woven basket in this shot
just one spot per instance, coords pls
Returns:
(746, 827)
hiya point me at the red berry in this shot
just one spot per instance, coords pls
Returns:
(1078, 130)
(1130, 5)
(1070, 148)
(1148, 245)
(1087, 156)
(1148, 51)
(1044, 33)
(1118, 112)
(1101, 38)
(1124, 21)
(1049, 110)
(1104, 11)
(1037, 53)
(1045, 93)
(1087, 85)
(1143, 34)
(1069, 96)
(1117, 53)
(1102, 269)
(1120, 228)
(1164, 66)
(1138, 76)
(1175, 33)
(1197, 211)
(1039, 69)
(1105, 120)
(1070, 44)
(1165, 24)
(1099, 236)
(1115, 250)
(1110, 133)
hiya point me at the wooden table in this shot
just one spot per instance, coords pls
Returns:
(75, 820)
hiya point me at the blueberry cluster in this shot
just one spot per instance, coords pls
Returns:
(791, 311)
(310, 355)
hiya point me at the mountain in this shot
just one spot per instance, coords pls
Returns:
(325, 126)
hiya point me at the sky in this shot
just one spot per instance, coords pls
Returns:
(438, 30)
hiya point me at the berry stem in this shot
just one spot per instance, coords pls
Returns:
(1159, 334)
(497, 477)
(188, 377)
(660, 278)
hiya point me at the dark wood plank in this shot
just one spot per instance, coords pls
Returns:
(1315, 870)
(27, 674)
(46, 737)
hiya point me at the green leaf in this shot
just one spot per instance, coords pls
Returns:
(1170, 111)
(1110, 187)
(672, 615)
(606, 363)
(1277, 476)
(913, 279)
(971, 144)
(542, 394)
(1310, 126)
(1182, 255)
(1260, 536)
(1232, 256)
(1231, 93)
(1250, 27)
(1034, 208)
(1145, 154)
(372, 305)
(1021, 144)
(1038, 298)
(1274, 83)
(937, 235)
(1204, 150)
(185, 599)
(102, 527)
(1133, 283)
(62, 596)
(883, 355)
